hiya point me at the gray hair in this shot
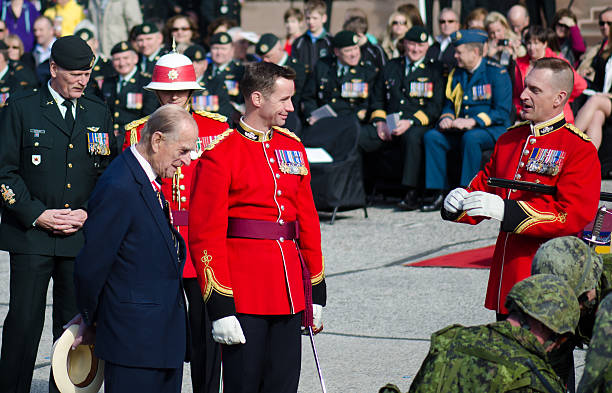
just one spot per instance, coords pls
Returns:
(167, 119)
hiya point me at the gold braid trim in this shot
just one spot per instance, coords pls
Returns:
(536, 217)
(456, 94)
(577, 131)
(287, 132)
(131, 127)
(321, 275)
(212, 115)
(218, 139)
(517, 125)
(211, 281)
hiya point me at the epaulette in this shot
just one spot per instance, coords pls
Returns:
(218, 139)
(133, 124)
(19, 68)
(287, 132)
(212, 115)
(517, 125)
(577, 131)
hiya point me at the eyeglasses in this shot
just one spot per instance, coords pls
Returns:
(601, 23)
(13, 47)
(449, 21)
(398, 22)
(2, 30)
(175, 29)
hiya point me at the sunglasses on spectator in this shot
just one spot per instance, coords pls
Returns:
(398, 22)
(13, 47)
(604, 22)
(2, 30)
(174, 29)
(443, 21)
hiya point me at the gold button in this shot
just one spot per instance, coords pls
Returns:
(282, 239)
(69, 165)
(116, 125)
(71, 146)
(116, 102)
(333, 100)
(183, 199)
(116, 114)
(465, 97)
(68, 185)
(277, 175)
(182, 187)
(272, 160)
(181, 176)
(281, 221)
(283, 207)
(401, 101)
(66, 205)
(267, 145)
(36, 143)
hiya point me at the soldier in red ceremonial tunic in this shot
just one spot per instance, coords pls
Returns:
(174, 82)
(253, 233)
(547, 150)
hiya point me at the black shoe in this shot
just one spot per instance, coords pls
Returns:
(410, 201)
(436, 204)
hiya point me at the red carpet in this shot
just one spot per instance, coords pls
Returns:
(479, 258)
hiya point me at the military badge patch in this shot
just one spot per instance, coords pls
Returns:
(205, 103)
(7, 194)
(354, 90)
(36, 132)
(36, 159)
(232, 87)
(291, 162)
(98, 143)
(545, 161)
(134, 101)
(481, 92)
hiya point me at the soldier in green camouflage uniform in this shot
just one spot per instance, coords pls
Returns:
(506, 356)
(573, 260)
(597, 377)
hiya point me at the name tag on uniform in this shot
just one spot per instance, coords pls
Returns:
(205, 103)
(232, 87)
(354, 90)
(37, 132)
(545, 161)
(98, 143)
(291, 162)
(481, 92)
(134, 101)
(421, 89)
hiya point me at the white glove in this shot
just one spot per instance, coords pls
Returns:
(317, 316)
(454, 200)
(228, 331)
(480, 203)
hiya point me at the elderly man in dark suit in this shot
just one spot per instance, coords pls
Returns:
(128, 276)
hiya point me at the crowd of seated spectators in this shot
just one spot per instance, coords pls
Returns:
(345, 78)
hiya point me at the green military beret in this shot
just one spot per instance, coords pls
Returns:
(122, 46)
(345, 38)
(85, 34)
(145, 28)
(266, 43)
(195, 53)
(72, 53)
(417, 34)
(221, 38)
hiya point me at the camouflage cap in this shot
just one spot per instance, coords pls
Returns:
(547, 299)
(570, 258)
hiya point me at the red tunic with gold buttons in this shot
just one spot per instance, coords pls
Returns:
(245, 176)
(554, 153)
(176, 191)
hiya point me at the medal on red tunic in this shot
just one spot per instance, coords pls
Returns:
(291, 162)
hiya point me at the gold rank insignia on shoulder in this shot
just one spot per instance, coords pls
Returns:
(7, 194)
(291, 162)
(98, 143)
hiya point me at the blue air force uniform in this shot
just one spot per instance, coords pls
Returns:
(485, 96)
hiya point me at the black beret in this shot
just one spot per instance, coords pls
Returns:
(221, 38)
(145, 28)
(266, 43)
(85, 34)
(72, 53)
(195, 52)
(417, 34)
(345, 38)
(122, 46)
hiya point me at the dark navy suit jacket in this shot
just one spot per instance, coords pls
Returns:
(128, 276)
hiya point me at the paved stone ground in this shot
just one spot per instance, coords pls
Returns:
(380, 314)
